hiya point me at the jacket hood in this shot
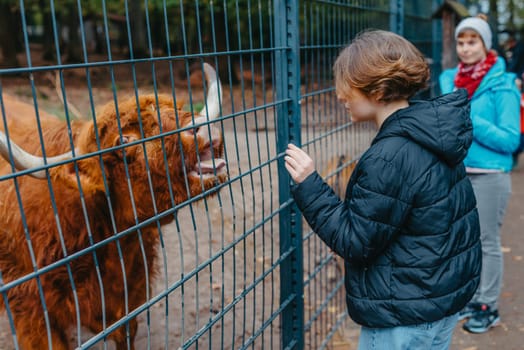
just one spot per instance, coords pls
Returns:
(442, 125)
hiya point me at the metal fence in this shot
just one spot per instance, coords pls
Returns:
(135, 236)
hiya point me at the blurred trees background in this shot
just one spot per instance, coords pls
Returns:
(503, 14)
(71, 31)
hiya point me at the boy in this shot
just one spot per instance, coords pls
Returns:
(408, 228)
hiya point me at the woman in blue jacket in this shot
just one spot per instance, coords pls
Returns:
(495, 114)
(408, 227)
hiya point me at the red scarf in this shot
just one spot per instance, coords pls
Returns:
(470, 76)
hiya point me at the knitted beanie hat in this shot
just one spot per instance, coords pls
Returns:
(477, 24)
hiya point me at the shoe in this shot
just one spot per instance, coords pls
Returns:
(469, 310)
(482, 320)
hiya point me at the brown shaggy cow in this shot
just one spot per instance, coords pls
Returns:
(339, 178)
(120, 180)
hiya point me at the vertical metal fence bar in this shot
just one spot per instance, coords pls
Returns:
(396, 23)
(436, 50)
(288, 114)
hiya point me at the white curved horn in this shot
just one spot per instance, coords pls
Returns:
(214, 93)
(23, 160)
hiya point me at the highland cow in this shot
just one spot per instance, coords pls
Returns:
(86, 229)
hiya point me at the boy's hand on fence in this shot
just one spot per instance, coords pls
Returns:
(298, 163)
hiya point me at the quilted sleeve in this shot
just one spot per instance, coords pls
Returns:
(362, 226)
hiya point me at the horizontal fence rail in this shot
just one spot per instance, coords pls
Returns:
(143, 198)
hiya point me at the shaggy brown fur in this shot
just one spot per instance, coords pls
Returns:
(338, 178)
(107, 292)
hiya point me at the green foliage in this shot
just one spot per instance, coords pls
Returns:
(197, 107)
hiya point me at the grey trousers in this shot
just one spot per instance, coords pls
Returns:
(492, 192)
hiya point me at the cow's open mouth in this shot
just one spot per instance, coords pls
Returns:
(208, 166)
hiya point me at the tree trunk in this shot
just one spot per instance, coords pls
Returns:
(48, 41)
(226, 63)
(494, 24)
(74, 54)
(100, 40)
(7, 44)
(138, 29)
(511, 20)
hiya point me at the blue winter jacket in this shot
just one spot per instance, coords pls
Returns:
(495, 114)
(408, 228)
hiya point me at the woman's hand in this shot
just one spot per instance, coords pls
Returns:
(298, 163)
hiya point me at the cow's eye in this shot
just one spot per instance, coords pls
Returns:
(124, 140)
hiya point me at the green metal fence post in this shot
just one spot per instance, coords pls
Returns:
(288, 130)
(396, 18)
(436, 51)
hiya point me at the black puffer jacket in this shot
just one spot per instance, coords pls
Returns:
(408, 229)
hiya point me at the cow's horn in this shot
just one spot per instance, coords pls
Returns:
(23, 160)
(214, 93)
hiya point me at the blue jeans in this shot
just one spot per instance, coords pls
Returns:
(425, 336)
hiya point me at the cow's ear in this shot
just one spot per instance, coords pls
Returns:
(87, 172)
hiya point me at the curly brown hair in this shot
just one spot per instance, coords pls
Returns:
(381, 64)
